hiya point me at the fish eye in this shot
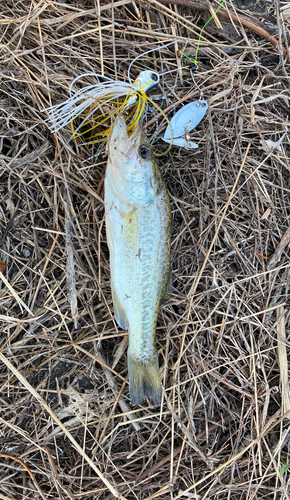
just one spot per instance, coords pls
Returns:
(154, 77)
(145, 151)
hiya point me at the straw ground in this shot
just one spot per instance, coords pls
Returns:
(67, 429)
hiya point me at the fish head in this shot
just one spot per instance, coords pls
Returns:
(131, 164)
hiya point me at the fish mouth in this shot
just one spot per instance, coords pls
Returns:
(119, 133)
(120, 141)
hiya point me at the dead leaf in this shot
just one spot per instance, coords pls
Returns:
(220, 95)
(266, 214)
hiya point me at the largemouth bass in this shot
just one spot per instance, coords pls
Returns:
(138, 224)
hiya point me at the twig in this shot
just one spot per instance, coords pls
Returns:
(223, 380)
(56, 474)
(279, 250)
(7, 455)
(226, 15)
(283, 361)
(10, 223)
(15, 295)
(71, 282)
(120, 351)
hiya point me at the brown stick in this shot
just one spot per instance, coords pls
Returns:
(226, 15)
(221, 379)
(7, 455)
(279, 250)
(56, 475)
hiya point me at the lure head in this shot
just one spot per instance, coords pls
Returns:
(145, 81)
(131, 168)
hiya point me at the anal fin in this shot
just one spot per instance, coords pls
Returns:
(120, 314)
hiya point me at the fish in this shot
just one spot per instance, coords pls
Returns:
(138, 228)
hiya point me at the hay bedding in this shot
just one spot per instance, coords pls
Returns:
(223, 336)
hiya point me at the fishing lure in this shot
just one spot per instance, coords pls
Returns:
(185, 120)
(93, 107)
(108, 97)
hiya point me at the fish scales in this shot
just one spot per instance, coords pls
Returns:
(138, 221)
(142, 328)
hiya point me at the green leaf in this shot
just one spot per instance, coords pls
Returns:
(283, 469)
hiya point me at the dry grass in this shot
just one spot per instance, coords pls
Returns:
(67, 428)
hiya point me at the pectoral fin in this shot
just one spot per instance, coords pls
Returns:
(120, 314)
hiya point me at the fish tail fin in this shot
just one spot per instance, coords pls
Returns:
(144, 379)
